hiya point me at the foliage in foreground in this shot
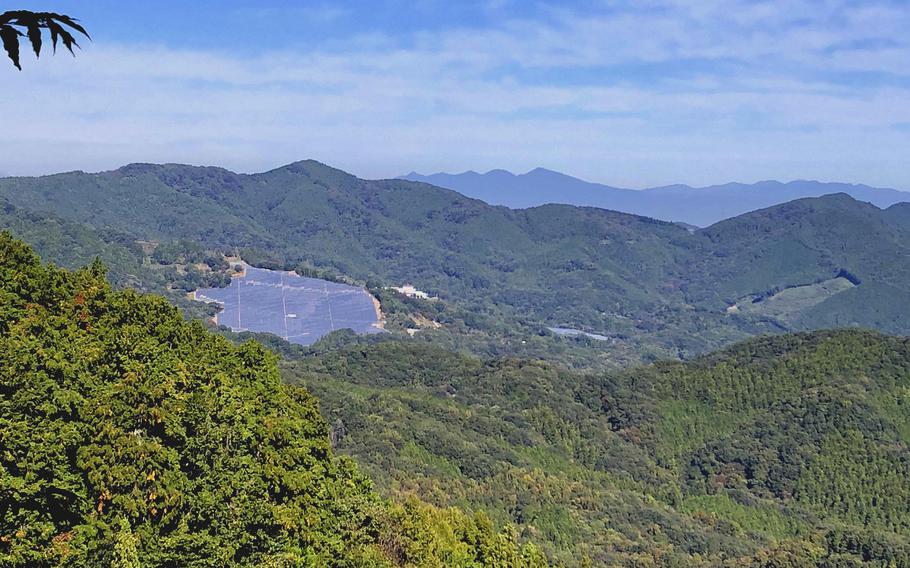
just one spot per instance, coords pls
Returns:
(129, 437)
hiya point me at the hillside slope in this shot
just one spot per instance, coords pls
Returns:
(132, 438)
(810, 241)
(784, 451)
(653, 288)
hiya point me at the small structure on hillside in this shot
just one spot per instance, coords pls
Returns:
(412, 292)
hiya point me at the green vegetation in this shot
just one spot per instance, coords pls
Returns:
(655, 289)
(783, 305)
(128, 433)
(791, 447)
(129, 437)
(169, 268)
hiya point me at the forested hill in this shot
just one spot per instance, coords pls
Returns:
(784, 451)
(129, 437)
(783, 250)
(173, 447)
(653, 288)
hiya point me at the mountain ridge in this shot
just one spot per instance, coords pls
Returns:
(655, 288)
(699, 206)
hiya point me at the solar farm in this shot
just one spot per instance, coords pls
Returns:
(296, 308)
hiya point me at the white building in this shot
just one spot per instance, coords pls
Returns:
(411, 292)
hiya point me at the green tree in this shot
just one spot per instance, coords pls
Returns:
(129, 436)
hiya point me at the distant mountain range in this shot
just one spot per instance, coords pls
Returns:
(699, 206)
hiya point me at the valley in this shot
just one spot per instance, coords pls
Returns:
(502, 277)
(585, 378)
(298, 309)
(315, 365)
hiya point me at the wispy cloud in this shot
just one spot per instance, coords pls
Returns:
(630, 93)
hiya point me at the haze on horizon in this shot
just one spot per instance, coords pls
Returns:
(630, 94)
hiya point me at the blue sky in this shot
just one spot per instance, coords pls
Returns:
(626, 93)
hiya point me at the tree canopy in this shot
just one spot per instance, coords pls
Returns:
(129, 436)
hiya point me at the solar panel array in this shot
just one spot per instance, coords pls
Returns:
(294, 307)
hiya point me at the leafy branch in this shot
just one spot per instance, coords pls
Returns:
(33, 23)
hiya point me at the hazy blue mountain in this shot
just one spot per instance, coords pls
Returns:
(700, 206)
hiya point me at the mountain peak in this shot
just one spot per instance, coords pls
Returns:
(307, 168)
(545, 171)
(137, 168)
(299, 166)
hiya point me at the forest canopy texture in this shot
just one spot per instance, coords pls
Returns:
(129, 437)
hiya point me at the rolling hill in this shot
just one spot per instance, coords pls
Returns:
(783, 451)
(655, 289)
(698, 206)
(788, 450)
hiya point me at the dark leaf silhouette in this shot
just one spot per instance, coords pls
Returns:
(33, 22)
(34, 36)
(10, 37)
